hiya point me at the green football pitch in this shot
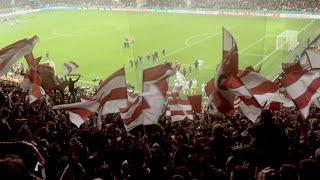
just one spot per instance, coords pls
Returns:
(94, 39)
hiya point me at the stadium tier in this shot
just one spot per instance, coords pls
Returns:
(288, 5)
(159, 89)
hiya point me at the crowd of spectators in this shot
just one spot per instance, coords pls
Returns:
(280, 146)
(289, 5)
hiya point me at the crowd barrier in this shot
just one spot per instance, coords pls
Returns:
(217, 12)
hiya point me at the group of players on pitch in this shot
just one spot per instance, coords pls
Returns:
(153, 57)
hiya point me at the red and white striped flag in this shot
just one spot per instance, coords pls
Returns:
(12, 53)
(147, 107)
(221, 98)
(32, 81)
(132, 96)
(249, 106)
(196, 103)
(110, 98)
(68, 67)
(112, 93)
(155, 87)
(179, 109)
(313, 56)
(262, 89)
(132, 116)
(79, 112)
(303, 87)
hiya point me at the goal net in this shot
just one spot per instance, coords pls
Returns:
(287, 40)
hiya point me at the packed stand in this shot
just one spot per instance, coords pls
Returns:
(288, 5)
(209, 147)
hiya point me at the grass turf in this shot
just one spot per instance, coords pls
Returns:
(94, 40)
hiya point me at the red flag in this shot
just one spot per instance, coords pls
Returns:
(179, 109)
(32, 80)
(289, 67)
(112, 93)
(196, 103)
(223, 99)
(249, 106)
(47, 74)
(155, 87)
(79, 112)
(110, 98)
(12, 53)
(132, 115)
(303, 87)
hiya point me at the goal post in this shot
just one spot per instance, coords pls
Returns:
(287, 40)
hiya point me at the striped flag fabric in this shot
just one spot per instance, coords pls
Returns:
(111, 96)
(262, 89)
(32, 81)
(69, 66)
(221, 98)
(147, 107)
(215, 98)
(179, 109)
(79, 112)
(132, 115)
(155, 87)
(112, 93)
(303, 87)
(132, 96)
(195, 102)
(249, 105)
(288, 67)
(313, 56)
(12, 53)
(250, 108)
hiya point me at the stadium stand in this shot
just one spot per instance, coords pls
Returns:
(287, 5)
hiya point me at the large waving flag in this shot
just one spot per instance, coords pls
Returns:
(146, 108)
(249, 105)
(47, 73)
(12, 53)
(303, 87)
(215, 98)
(155, 87)
(110, 98)
(79, 112)
(222, 98)
(262, 89)
(32, 81)
(179, 109)
(196, 104)
(132, 115)
(255, 92)
(112, 93)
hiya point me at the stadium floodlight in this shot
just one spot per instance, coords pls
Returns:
(287, 40)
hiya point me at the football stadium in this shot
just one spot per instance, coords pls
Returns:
(160, 89)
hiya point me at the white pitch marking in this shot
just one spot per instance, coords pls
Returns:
(249, 54)
(273, 52)
(256, 42)
(191, 37)
(198, 42)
